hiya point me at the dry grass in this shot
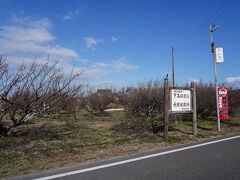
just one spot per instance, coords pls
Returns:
(61, 140)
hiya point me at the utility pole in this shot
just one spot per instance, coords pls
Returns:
(173, 80)
(212, 28)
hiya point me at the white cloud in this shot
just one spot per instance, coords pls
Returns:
(70, 15)
(31, 38)
(92, 42)
(121, 65)
(114, 39)
(83, 61)
(100, 69)
(21, 34)
(31, 22)
(232, 80)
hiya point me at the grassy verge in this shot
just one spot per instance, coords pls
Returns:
(61, 140)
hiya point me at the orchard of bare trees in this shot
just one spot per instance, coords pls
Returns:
(39, 90)
(33, 91)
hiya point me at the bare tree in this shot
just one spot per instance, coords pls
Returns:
(145, 98)
(144, 102)
(97, 102)
(206, 99)
(234, 99)
(31, 91)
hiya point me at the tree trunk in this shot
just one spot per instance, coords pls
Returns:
(3, 130)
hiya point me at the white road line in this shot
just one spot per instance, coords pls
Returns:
(133, 160)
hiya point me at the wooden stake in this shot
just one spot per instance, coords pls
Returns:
(166, 108)
(194, 108)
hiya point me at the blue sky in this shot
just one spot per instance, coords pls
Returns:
(123, 42)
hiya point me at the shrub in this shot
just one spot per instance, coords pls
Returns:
(145, 99)
(96, 103)
(206, 99)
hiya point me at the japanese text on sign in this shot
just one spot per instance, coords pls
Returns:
(180, 100)
(219, 55)
(223, 102)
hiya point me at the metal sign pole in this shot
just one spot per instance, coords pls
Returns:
(212, 29)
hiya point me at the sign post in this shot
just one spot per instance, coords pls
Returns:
(166, 108)
(184, 101)
(194, 107)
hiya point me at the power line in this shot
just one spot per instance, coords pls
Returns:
(216, 14)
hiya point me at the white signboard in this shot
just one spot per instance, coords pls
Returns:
(219, 55)
(180, 100)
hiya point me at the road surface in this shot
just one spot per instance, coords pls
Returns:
(214, 159)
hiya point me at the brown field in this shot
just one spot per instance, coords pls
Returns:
(60, 141)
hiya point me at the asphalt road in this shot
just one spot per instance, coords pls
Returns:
(212, 160)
